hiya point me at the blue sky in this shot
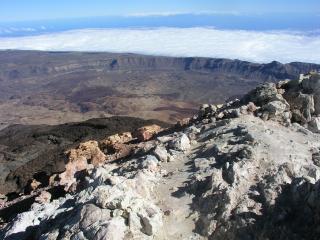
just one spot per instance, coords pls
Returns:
(28, 10)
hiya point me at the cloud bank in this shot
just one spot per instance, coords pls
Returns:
(253, 46)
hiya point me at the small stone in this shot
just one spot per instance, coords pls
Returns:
(167, 212)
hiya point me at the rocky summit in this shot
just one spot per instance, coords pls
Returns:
(246, 169)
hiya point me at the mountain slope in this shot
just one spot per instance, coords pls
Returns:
(246, 170)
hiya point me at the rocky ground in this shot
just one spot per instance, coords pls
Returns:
(248, 169)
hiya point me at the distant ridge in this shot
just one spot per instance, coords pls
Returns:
(74, 86)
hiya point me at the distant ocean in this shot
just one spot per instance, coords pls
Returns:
(290, 22)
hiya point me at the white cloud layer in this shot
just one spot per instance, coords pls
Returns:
(185, 42)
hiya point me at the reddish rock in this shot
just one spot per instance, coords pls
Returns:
(67, 178)
(117, 138)
(79, 160)
(120, 151)
(116, 146)
(114, 143)
(88, 151)
(147, 132)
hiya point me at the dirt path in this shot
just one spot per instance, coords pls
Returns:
(175, 201)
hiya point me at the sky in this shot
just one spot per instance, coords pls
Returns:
(252, 30)
(22, 10)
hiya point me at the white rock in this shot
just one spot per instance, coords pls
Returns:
(22, 222)
(114, 230)
(150, 162)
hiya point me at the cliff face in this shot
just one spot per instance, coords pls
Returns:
(43, 63)
(247, 169)
(71, 86)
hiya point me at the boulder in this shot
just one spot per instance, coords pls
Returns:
(90, 214)
(147, 132)
(301, 105)
(262, 95)
(304, 98)
(276, 110)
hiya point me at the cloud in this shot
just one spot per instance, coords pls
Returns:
(184, 42)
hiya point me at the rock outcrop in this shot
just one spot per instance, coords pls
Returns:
(42, 148)
(147, 132)
(247, 169)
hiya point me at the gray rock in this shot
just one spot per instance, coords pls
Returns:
(262, 94)
(115, 229)
(201, 164)
(276, 110)
(312, 84)
(161, 153)
(91, 214)
(314, 125)
(181, 143)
